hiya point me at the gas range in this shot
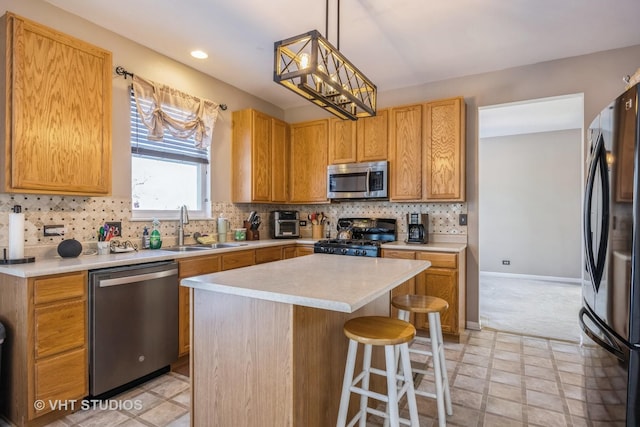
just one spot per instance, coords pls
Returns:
(368, 234)
(370, 248)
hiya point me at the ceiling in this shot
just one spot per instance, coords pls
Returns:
(531, 116)
(396, 43)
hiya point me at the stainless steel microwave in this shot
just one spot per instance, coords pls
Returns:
(358, 181)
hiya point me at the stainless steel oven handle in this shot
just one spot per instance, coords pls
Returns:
(368, 180)
(138, 278)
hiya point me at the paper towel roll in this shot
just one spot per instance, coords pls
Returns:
(16, 235)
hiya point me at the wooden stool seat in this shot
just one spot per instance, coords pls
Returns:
(378, 330)
(432, 307)
(420, 304)
(394, 335)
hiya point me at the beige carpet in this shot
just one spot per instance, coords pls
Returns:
(531, 307)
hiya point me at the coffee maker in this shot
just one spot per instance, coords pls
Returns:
(417, 228)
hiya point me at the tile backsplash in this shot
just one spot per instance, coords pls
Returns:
(82, 216)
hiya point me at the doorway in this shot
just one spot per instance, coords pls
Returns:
(530, 197)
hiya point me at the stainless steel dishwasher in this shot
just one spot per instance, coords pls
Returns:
(133, 324)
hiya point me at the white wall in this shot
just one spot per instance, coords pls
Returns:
(530, 203)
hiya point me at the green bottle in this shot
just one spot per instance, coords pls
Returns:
(155, 242)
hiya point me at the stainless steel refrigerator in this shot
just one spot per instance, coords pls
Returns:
(611, 290)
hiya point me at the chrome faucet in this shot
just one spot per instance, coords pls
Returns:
(184, 219)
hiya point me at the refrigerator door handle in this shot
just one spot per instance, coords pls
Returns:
(598, 164)
(608, 345)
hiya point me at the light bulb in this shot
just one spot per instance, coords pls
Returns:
(304, 60)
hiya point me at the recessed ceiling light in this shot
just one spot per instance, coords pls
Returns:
(199, 54)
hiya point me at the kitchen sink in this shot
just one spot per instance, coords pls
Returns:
(191, 248)
(186, 248)
(226, 245)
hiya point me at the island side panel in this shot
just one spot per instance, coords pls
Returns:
(241, 358)
(320, 354)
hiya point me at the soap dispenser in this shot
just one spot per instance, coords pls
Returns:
(155, 242)
(145, 238)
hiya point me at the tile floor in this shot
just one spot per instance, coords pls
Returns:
(497, 379)
(162, 401)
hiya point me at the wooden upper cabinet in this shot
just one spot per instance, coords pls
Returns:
(57, 110)
(258, 157)
(365, 140)
(405, 152)
(251, 157)
(279, 161)
(372, 137)
(342, 141)
(444, 155)
(308, 171)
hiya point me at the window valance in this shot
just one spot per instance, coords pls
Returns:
(163, 108)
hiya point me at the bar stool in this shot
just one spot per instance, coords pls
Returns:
(432, 307)
(390, 333)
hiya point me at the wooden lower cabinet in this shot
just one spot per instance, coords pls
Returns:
(268, 254)
(60, 340)
(238, 259)
(61, 377)
(189, 267)
(288, 252)
(302, 250)
(444, 279)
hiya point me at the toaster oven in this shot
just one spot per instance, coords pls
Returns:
(284, 224)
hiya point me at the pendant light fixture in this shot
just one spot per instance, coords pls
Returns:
(312, 67)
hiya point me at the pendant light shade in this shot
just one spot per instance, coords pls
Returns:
(312, 67)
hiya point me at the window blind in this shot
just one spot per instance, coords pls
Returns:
(170, 147)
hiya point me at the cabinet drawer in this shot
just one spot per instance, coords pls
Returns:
(288, 252)
(60, 327)
(199, 265)
(238, 259)
(61, 378)
(439, 259)
(268, 255)
(58, 288)
(390, 253)
(304, 250)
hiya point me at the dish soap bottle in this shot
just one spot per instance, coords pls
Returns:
(155, 242)
(145, 238)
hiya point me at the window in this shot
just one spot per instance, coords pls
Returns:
(167, 174)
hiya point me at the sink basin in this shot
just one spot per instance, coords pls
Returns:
(191, 248)
(186, 248)
(225, 245)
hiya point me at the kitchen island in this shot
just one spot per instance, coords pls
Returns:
(267, 340)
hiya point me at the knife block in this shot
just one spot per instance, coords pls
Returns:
(251, 234)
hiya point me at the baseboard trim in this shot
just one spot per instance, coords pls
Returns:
(571, 280)
(474, 326)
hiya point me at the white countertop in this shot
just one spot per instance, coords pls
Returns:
(435, 247)
(330, 282)
(57, 265)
